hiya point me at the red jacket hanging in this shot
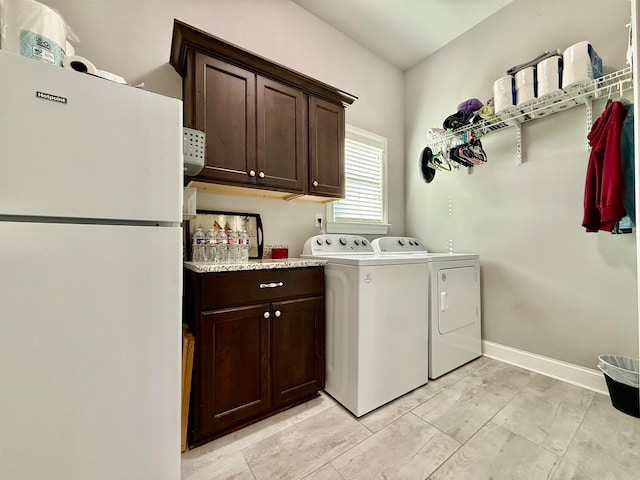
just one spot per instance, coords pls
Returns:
(603, 187)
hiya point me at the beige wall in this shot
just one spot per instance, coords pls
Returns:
(548, 287)
(132, 39)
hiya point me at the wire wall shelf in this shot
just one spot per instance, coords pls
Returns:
(582, 93)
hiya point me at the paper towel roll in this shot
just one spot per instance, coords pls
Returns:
(503, 93)
(69, 50)
(581, 64)
(525, 82)
(79, 64)
(33, 30)
(549, 76)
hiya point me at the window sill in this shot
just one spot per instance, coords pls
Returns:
(358, 228)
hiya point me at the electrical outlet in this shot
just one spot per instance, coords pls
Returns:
(319, 222)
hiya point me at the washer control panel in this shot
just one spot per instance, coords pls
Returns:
(398, 245)
(335, 244)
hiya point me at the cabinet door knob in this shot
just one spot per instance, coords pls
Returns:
(278, 313)
(315, 183)
(252, 173)
(261, 174)
(266, 315)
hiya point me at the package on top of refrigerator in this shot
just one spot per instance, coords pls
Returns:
(34, 30)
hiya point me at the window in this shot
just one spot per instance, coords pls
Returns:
(363, 210)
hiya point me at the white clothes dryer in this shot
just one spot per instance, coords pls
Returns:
(454, 302)
(376, 327)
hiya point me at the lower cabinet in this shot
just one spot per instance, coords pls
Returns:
(234, 371)
(297, 349)
(254, 359)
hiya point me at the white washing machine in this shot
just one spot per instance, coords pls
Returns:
(454, 302)
(376, 331)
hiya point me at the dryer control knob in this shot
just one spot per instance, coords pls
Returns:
(364, 242)
(319, 241)
(328, 241)
(356, 241)
(416, 243)
(343, 242)
(401, 242)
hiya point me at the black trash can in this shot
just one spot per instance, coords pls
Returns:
(622, 375)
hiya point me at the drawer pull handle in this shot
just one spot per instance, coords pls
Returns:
(278, 313)
(271, 285)
(266, 315)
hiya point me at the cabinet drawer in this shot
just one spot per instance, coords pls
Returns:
(229, 289)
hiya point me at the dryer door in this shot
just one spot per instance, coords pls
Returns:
(457, 297)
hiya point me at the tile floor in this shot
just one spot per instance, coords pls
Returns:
(486, 420)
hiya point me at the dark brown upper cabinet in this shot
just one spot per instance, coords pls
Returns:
(282, 136)
(267, 127)
(326, 140)
(230, 150)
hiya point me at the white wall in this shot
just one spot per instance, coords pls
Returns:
(133, 38)
(548, 287)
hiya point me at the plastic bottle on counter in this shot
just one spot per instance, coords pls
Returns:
(233, 242)
(221, 246)
(244, 246)
(198, 247)
(210, 248)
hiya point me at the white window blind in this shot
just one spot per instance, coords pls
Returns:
(363, 200)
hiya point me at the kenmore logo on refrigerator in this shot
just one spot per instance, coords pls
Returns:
(52, 98)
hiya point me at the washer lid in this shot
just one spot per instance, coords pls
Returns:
(369, 259)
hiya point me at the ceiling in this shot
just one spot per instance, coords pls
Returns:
(403, 32)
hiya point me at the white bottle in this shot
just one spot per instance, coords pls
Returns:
(233, 242)
(221, 246)
(210, 249)
(198, 252)
(244, 246)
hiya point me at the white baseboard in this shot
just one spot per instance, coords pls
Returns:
(567, 372)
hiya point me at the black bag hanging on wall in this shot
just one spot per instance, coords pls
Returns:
(426, 170)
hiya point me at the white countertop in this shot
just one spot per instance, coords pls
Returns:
(266, 264)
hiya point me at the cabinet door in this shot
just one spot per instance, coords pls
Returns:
(233, 367)
(297, 348)
(282, 137)
(225, 110)
(326, 148)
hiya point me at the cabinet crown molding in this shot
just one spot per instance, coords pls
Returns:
(186, 38)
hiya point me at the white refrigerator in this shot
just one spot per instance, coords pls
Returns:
(90, 277)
